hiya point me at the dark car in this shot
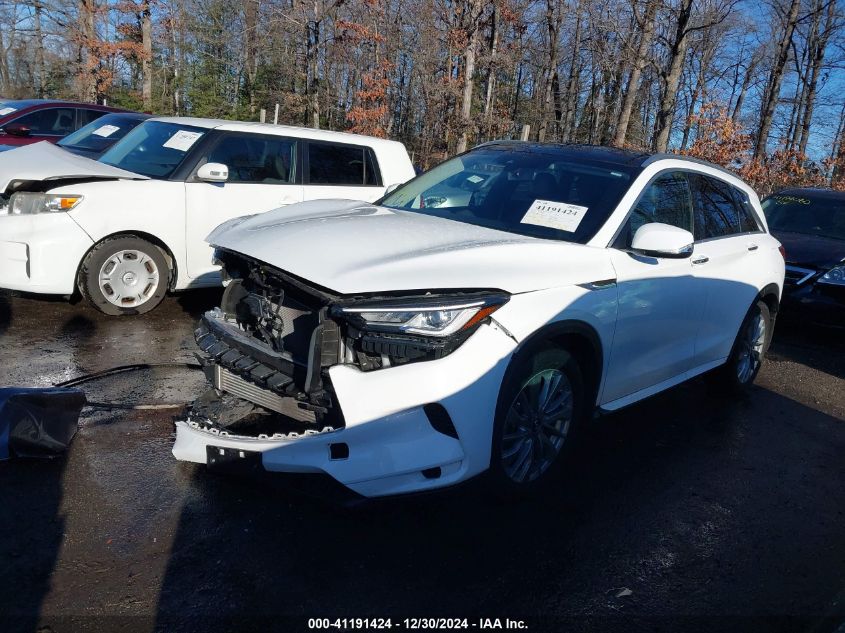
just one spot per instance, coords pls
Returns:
(810, 223)
(33, 120)
(94, 139)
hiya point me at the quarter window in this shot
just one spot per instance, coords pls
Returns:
(84, 116)
(665, 200)
(48, 121)
(336, 164)
(747, 218)
(256, 159)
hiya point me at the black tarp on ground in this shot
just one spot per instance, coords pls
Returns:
(38, 422)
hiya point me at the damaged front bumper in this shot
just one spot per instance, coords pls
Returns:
(395, 430)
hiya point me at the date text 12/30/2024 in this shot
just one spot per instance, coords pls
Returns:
(414, 624)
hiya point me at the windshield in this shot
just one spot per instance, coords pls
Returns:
(154, 148)
(100, 134)
(806, 214)
(540, 194)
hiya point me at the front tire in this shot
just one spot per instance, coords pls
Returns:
(749, 350)
(540, 405)
(124, 276)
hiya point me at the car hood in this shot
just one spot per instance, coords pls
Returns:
(45, 161)
(811, 250)
(353, 247)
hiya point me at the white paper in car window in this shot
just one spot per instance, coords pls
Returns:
(182, 140)
(555, 215)
(105, 130)
(6, 111)
(474, 179)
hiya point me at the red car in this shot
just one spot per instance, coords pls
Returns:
(32, 120)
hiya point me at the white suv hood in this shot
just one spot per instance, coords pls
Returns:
(354, 247)
(45, 161)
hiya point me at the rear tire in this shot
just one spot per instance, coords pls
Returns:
(749, 350)
(541, 403)
(123, 276)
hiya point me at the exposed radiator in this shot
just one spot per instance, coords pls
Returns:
(225, 380)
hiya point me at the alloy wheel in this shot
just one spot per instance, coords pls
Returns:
(537, 425)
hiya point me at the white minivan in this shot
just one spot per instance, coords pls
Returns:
(129, 228)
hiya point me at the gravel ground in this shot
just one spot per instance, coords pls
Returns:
(687, 512)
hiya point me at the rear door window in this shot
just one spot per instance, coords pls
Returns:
(341, 164)
(49, 121)
(269, 160)
(716, 213)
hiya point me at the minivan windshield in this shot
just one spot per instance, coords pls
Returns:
(154, 148)
(806, 214)
(545, 194)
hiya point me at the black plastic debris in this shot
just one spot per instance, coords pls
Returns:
(38, 422)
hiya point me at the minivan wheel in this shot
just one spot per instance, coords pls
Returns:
(540, 404)
(749, 349)
(124, 276)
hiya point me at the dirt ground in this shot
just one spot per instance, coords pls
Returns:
(687, 512)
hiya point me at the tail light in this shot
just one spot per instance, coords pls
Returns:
(782, 251)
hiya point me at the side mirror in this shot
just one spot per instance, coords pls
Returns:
(213, 172)
(16, 129)
(662, 240)
(392, 188)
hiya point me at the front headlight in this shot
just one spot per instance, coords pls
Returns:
(426, 317)
(834, 276)
(29, 203)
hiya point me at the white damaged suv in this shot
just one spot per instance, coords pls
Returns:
(472, 319)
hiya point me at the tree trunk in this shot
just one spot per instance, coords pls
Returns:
(491, 72)
(39, 49)
(251, 9)
(775, 80)
(466, 96)
(818, 53)
(569, 120)
(672, 79)
(636, 72)
(553, 26)
(147, 59)
(746, 83)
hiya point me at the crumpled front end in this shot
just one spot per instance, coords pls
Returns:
(297, 386)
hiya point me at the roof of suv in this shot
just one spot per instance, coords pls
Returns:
(602, 153)
(816, 192)
(270, 128)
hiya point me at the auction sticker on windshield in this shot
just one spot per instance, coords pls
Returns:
(105, 130)
(554, 215)
(6, 111)
(182, 140)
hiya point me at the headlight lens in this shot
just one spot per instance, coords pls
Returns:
(835, 276)
(440, 319)
(28, 203)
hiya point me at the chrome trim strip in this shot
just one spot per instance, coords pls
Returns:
(805, 272)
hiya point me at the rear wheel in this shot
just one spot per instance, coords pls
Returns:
(749, 349)
(540, 404)
(124, 276)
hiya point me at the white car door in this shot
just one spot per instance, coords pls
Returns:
(659, 305)
(340, 170)
(726, 257)
(262, 176)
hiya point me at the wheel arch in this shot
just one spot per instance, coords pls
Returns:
(770, 295)
(149, 237)
(580, 339)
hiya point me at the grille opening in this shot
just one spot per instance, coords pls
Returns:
(339, 451)
(432, 473)
(440, 420)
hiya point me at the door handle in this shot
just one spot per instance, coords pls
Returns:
(753, 247)
(701, 260)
